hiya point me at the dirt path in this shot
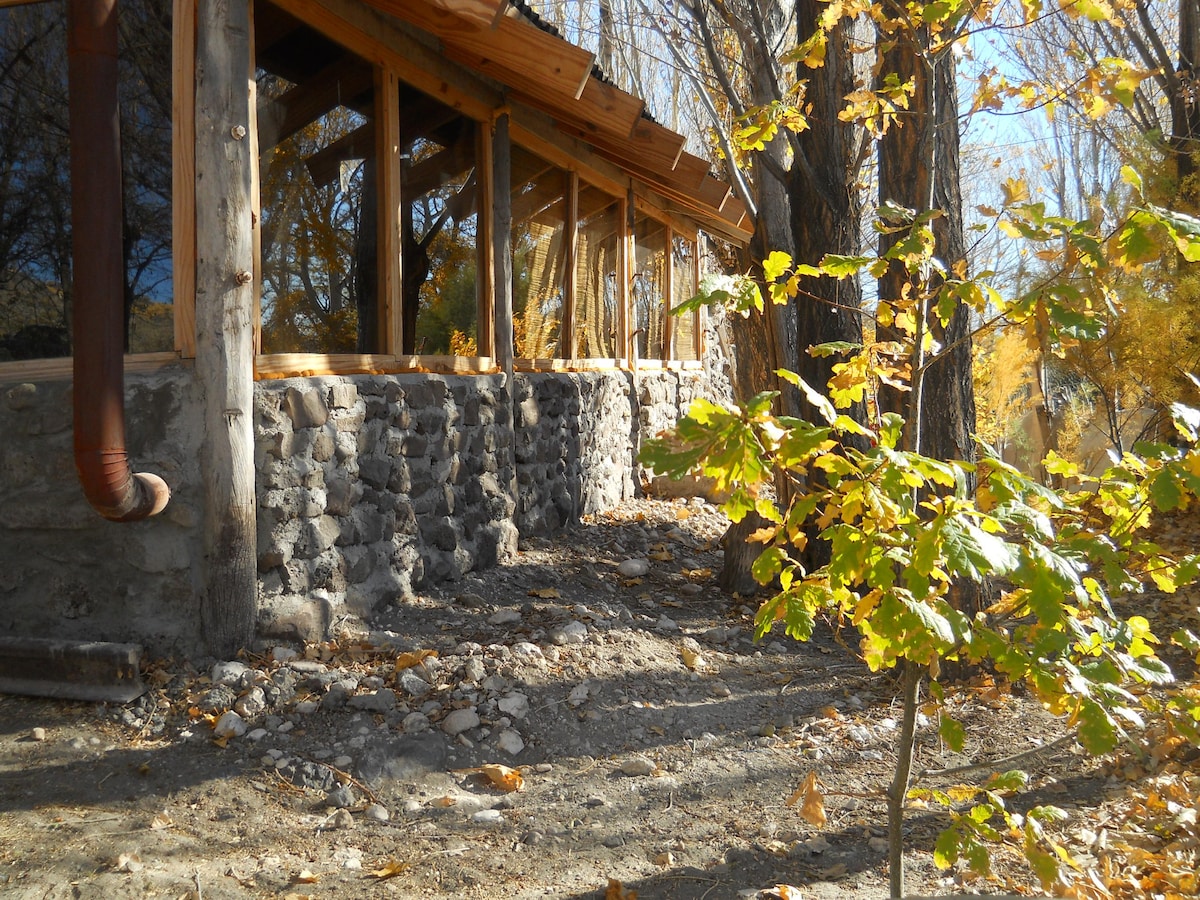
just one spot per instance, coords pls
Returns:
(657, 745)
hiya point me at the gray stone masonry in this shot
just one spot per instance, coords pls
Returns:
(369, 487)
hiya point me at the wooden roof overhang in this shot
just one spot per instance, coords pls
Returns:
(541, 70)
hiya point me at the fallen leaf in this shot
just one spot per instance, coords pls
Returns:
(812, 803)
(829, 712)
(443, 802)
(665, 859)
(691, 658)
(393, 868)
(161, 821)
(661, 556)
(682, 512)
(785, 892)
(292, 895)
(128, 862)
(616, 891)
(413, 658)
(546, 593)
(306, 877)
(499, 776)
(836, 871)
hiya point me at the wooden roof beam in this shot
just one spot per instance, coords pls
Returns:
(342, 84)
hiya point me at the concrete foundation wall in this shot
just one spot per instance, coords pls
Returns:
(369, 487)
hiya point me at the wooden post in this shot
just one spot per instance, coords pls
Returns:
(387, 167)
(501, 210)
(699, 322)
(566, 328)
(183, 173)
(625, 264)
(668, 291)
(225, 118)
(491, 243)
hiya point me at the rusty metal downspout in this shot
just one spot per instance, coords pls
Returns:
(98, 277)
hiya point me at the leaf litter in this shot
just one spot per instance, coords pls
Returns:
(722, 814)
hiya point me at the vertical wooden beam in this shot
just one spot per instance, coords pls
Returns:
(228, 584)
(624, 346)
(500, 210)
(566, 328)
(668, 351)
(487, 236)
(387, 167)
(699, 322)
(255, 194)
(183, 174)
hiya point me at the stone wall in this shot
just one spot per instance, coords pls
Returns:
(369, 488)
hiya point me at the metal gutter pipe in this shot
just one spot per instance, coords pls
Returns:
(97, 271)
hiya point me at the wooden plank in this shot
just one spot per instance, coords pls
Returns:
(227, 585)
(651, 146)
(566, 340)
(698, 326)
(62, 368)
(388, 163)
(183, 174)
(514, 47)
(304, 365)
(484, 13)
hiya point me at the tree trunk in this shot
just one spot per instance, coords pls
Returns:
(1185, 106)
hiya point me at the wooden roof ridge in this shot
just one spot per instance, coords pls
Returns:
(508, 41)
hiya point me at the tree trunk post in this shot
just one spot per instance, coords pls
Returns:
(225, 160)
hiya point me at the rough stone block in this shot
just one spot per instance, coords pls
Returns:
(343, 395)
(306, 407)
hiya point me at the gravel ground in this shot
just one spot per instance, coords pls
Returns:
(654, 742)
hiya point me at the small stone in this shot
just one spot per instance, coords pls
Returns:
(377, 812)
(578, 695)
(527, 650)
(342, 762)
(415, 722)
(307, 666)
(283, 654)
(229, 673)
(411, 807)
(634, 568)
(666, 623)
(510, 742)
(571, 633)
(256, 735)
(860, 734)
(341, 820)
(878, 844)
(341, 796)
(306, 707)
(506, 616)
(230, 725)
(413, 684)
(721, 689)
(38, 734)
(637, 765)
(460, 720)
(470, 600)
(515, 704)
(383, 700)
(251, 703)
(487, 816)
(614, 840)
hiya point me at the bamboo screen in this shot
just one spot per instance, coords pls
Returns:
(649, 285)
(539, 229)
(683, 258)
(596, 277)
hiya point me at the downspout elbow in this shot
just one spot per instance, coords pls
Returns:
(98, 271)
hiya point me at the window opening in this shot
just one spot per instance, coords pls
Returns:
(539, 205)
(35, 183)
(683, 259)
(439, 221)
(317, 189)
(648, 287)
(597, 288)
